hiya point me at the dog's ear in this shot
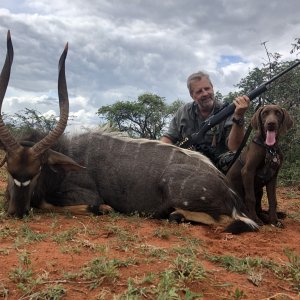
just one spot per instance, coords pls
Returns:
(287, 123)
(255, 120)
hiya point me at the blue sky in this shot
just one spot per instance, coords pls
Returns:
(121, 49)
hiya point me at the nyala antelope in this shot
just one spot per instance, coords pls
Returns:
(102, 171)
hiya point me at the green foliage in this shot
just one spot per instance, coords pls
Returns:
(296, 46)
(65, 236)
(100, 268)
(145, 118)
(133, 291)
(238, 294)
(188, 268)
(22, 274)
(4, 292)
(240, 265)
(291, 270)
(284, 91)
(30, 236)
(28, 119)
(167, 287)
(53, 292)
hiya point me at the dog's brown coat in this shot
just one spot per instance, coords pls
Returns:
(258, 165)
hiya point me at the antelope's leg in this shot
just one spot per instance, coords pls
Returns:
(82, 209)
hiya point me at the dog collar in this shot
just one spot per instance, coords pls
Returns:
(272, 155)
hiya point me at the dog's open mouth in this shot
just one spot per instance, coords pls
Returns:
(270, 137)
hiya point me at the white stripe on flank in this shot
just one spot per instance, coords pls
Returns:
(183, 183)
(171, 156)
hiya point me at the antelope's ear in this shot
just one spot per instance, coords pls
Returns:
(58, 159)
(256, 119)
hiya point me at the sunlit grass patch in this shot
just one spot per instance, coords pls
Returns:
(291, 270)
(240, 265)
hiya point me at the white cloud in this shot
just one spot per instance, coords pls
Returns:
(81, 120)
(49, 113)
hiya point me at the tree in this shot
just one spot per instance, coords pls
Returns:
(146, 117)
(28, 119)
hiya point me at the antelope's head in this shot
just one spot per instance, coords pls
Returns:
(25, 163)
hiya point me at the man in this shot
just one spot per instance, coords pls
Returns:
(225, 136)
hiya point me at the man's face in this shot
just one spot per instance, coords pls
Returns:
(203, 93)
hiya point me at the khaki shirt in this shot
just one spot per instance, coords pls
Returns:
(188, 120)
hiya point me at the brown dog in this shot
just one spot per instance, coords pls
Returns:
(259, 163)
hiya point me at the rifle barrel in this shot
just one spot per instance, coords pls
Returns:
(229, 110)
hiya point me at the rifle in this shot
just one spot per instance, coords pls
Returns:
(197, 138)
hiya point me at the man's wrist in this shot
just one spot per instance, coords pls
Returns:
(238, 120)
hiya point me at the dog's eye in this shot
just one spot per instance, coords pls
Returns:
(278, 113)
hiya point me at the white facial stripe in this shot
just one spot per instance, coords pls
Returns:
(26, 183)
(19, 184)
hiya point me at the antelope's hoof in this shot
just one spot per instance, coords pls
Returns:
(100, 210)
(105, 209)
(176, 217)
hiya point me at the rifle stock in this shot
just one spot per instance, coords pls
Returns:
(197, 138)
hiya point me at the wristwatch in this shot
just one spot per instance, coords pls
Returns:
(240, 122)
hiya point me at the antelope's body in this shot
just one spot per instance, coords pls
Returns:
(156, 179)
(140, 175)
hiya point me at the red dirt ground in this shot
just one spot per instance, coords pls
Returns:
(146, 247)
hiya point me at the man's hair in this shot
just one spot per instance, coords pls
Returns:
(196, 76)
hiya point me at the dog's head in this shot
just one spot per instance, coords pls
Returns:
(270, 121)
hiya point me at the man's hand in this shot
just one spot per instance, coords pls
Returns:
(241, 105)
(236, 134)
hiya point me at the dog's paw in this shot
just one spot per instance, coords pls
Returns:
(281, 215)
(264, 217)
(277, 224)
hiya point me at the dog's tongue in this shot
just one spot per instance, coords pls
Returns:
(271, 138)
